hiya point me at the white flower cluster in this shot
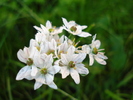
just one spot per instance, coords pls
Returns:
(50, 53)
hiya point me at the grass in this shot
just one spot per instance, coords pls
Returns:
(112, 22)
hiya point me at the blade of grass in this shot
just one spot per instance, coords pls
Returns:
(113, 95)
(9, 89)
(3, 39)
(30, 12)
(126, 79)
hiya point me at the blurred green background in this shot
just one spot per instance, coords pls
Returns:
(111, 20)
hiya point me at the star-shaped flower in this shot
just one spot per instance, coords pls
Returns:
(71, 63)
(74, 28)
(49, 29)
(94, 52)
(27, 56)
(45, 72)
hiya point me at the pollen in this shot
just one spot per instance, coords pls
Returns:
(49, 52)
(71, 64)
(38, 48)
(73, 28)
(95, 50)
(51, 30)
(44, 71)
(29, 61)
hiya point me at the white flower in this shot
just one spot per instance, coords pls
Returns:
(50, 47)
(62, 48)
(72, 64)
(59, 40)
(49, 29)
(27, 56)
(94, 52)
(74, 28)
(45, 73)
(38, 45)
(52, 29)
(40, 37)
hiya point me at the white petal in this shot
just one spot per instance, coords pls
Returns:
(38, 28)
(21, 56)
(48, 24)
(45, 30)
(54, 69)
(81, 69)
(23, 73)
(40, 78)
(53, 44)
(33, 42)
(51, 70)
(34, 70)
(60, 29)
(65, 22)
(78, 30)
(83, 27)
(64, 59)
(40, 37)
(52, 85)
(49, 78)
(80, 57)
(33, 51)
(99, 60)
(86, 49)
(100, 55)
(64, 71)
(38, 61)
(74, 74)
(84, 34)
(48, 61)
(94, 37)
(91, 59)
(71, 50)
(97, 43)
(37, 85)
(57, 68)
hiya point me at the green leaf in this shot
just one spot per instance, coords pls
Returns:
(114, 96)
(126, 79)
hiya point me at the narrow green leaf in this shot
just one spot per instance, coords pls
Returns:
(126, 79)
(113, 95)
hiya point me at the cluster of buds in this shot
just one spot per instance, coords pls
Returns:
(52, 52)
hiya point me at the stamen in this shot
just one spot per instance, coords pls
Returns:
(71, 64)
(29, 61)
(73, 28)
(44, 71)
(95, 50)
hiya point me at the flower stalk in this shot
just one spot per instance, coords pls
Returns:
(66, 94)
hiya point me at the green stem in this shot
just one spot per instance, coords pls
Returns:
(9, 88)
(63, 92)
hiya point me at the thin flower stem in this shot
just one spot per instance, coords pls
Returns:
(65, 93)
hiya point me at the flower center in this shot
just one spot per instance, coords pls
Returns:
(49, 52)
(51, 30)
(44, 71)
(95, 50)
(38, 48)
(73, 28)
(71, 64)
(29, 61)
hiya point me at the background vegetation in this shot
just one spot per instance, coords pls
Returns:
(111, 20)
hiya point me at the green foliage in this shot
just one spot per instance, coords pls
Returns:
(112, 22)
